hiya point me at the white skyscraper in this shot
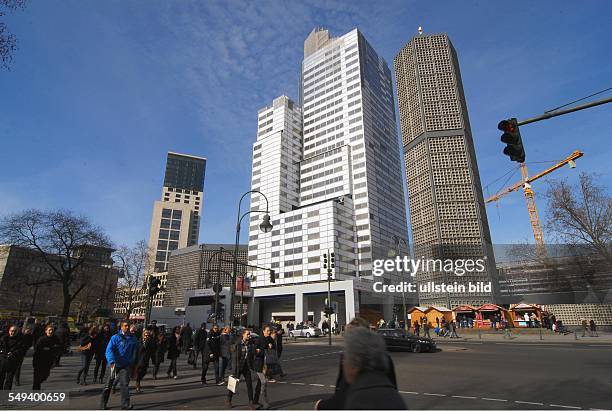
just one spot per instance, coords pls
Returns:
(331, 171)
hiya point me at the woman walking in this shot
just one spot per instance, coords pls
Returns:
(160, 352)
(146, 350)
(46, 351)
(174, 350)
(88, 347)
(10, 352)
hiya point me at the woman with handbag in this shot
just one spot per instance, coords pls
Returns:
(88, 347)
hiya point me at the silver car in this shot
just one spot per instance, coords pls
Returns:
(305, 331)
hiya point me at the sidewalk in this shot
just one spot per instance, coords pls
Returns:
(546, 336)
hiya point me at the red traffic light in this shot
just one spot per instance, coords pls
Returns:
(509, 126)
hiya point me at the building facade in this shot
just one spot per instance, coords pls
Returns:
(331, 172)
(447, 213)
(176, 217)
(27, 285)
(197, 267)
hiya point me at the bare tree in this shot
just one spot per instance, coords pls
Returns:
(62, 241)
(135, 267)
(8, 41)
(581, 214)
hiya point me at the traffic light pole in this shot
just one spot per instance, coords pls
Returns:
(551, 114)
(329, 328)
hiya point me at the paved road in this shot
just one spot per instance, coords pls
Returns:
(464, 375)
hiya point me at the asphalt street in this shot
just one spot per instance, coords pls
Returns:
(463, 375)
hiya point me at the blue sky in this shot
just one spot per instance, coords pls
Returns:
(100, 91)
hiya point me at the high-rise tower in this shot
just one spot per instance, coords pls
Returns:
(447, 211)
(176, 217)
(331, 170)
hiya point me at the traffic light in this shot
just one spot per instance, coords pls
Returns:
(154, 286)
(325, 261)
(512, 137)
(272, 276)
(332, 260)
(328, 310)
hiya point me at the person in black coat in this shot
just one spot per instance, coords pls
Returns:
(263, 343)
(212, 353)
(174, 350)
(199, 344)
(227, 340)
(161, 346)
(147, 350)
(27, 340)
(63, 335)
(104, 337)
(88, 347)
(11, 349)
(45, 355)
(243, 363)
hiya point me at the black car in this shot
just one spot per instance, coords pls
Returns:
(397, 340)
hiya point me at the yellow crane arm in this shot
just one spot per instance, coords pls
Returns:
(575, 155)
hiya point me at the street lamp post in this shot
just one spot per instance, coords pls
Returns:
(393, 253)
(265, 226)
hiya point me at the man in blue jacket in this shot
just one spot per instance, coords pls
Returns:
(121, 357)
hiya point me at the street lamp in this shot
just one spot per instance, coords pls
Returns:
(393, 253)
(265, 226)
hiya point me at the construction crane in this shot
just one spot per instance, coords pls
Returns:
(525, 184)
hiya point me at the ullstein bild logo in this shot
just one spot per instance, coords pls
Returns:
(457, 267)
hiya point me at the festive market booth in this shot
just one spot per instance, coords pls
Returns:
(526, 315)
(465, 316)
(491, 315)
(435, 314)
(416, 314)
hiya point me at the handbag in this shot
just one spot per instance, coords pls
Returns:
(271, 357)
(232, 384)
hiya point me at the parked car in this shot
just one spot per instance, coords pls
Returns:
(397, 340)
(305, 331)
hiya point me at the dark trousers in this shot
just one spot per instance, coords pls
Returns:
(246, 373)
(123, 376)
(18, 371)
(100, 366)
(7, 373)
(85, 362)
(41, 373)
(172, 367)
(141, 372)
(225, 361)
(156, 369)
(205, 363)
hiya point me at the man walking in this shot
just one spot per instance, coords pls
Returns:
(186, 338)
(211, 353)
(453, 326)
(242, 365)
(263, 343)
(585, 327)
(121, 357)
(199, 344)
